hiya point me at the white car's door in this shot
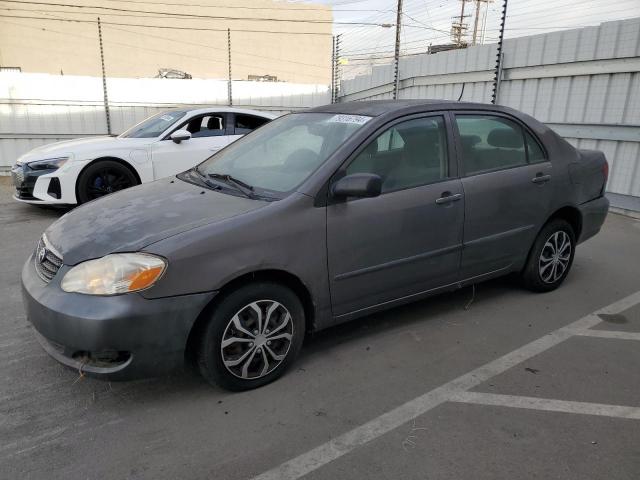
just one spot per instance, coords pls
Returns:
(209, 133)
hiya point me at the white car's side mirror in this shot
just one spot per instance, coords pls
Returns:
(180, 135)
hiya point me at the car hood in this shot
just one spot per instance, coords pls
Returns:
(79, 147)
(134, 218)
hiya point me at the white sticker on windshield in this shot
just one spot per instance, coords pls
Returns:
(343, 118)
(166, 118)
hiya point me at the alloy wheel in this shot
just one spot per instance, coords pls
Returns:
(257, 339)
(106, 181)
(555, 257)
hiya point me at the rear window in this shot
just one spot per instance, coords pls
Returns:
(247, 123)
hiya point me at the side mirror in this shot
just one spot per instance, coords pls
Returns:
(358, 185)
(180, 135)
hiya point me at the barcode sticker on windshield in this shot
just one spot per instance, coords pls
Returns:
(343, 118)
(166, 118)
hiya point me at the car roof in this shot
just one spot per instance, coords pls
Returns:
(376, 108)
(199, 109)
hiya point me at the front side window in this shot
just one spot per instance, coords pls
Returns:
(283, 153)
(212, 125)
(409, 154)
(154, 126)
(490, 143)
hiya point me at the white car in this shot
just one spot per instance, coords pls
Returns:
(76, 171)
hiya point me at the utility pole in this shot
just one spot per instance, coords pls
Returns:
(104, 81)
(474, 40)
(498, 71)
(396, 56)
(229, 93)
(459, 27)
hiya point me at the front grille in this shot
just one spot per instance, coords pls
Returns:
(17, 176)
(47, 263)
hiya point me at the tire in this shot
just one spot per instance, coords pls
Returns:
(240, 365)
(545, 270)
(102, 178)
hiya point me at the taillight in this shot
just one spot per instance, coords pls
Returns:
(605, 173)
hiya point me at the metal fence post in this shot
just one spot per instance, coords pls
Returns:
(498, 71)
(396, 56)
(229, 91)
(104, 80)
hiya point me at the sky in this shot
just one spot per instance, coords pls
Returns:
(429, 21)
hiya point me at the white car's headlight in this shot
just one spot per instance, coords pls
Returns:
(114, 274)
(48, 164)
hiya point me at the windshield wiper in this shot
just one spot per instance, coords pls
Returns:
(244, 188)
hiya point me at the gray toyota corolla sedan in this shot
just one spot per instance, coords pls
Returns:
(313, 219)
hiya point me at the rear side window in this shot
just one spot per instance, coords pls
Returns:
(534, 151)
(409, 154)
(490, 143)
(247, 123)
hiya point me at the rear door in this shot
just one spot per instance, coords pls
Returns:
(408, 239)
(506, 178)
(209, 133)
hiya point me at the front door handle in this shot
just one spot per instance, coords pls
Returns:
(540, 178)
(448, 198)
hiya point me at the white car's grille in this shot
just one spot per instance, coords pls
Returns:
(17, 175)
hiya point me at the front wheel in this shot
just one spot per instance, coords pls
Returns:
(252, 337)
(102, 178)
(551, 257)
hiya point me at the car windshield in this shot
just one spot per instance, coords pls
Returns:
(280, 155)
(154, 126)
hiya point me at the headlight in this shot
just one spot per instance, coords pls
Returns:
(48, 164)
(114, 274)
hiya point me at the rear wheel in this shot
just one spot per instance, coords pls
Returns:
(102, 178)
(254, 334)
(551, 257)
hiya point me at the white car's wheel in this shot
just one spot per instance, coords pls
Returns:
(102, 178)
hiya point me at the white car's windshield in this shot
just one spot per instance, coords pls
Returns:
(280, 155)
(154, 126)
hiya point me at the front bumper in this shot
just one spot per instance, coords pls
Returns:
(48, 186)
(120, 337)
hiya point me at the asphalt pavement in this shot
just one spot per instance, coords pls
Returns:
(500, 384)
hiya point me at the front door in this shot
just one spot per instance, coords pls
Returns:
(408, 239)
(507, 185)
(208, 135)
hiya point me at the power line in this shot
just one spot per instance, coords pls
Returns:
(164, 27)
(191, 15)
(165, 51)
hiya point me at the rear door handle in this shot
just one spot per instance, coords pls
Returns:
(539, 178)
(444, 199)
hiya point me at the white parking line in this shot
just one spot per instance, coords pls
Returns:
(610, 334)
(339, 446)
(547, 404)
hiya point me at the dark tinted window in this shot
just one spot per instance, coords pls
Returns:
(535, 152)
(406, 155)
(207, 126)
(490, 143)
(246, 123)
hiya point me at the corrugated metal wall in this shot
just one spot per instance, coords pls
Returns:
(36, 109)
(583, 83)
